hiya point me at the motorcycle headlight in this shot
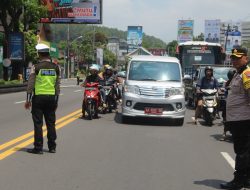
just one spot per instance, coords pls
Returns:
(131, 89)
(176, 91)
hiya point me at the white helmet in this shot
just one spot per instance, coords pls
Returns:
(94, 67)
(42, 48)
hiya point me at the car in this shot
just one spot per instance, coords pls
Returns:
(190, 82)
(154, 88)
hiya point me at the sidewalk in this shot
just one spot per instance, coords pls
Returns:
(13, 88)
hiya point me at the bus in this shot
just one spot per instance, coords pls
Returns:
(193, 53)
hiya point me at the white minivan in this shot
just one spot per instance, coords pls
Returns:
(154, 88)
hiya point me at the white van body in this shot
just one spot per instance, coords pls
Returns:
(154, 88)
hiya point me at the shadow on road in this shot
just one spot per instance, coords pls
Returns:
(143, 121)
(214, 183)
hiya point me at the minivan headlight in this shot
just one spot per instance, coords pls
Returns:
(176, 91)
(131, 89)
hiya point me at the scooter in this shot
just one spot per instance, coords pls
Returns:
(209, 104)
(91, 100)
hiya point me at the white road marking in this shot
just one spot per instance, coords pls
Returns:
(61, 94)
(78, 91)
(20, 102)
(68, 86)
(229, 159)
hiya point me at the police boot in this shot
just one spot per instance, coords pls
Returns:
(236, 184)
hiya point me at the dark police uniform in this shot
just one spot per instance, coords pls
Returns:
(44, 84)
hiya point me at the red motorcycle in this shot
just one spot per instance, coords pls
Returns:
(91, 100)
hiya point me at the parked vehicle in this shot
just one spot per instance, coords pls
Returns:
(91, 100)
(209, 104)
(154, 88)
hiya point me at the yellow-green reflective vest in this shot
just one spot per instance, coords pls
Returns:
(45, 82)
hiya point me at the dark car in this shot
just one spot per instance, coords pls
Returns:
(219, 72)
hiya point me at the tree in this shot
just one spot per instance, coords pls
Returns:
(200, 37)
(20, 16)
(171, 48)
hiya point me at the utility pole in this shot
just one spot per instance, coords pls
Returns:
(93, 44)
(68, 62)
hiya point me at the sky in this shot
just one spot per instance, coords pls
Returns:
(159, 18)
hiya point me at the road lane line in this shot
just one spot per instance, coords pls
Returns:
(78, 91)
(20, 102)
(229, 159)
(31, 140)
(29, 134)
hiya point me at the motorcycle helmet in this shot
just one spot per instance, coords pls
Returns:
(230, 74)
(208, 68)
(94, 67)
(109, 68)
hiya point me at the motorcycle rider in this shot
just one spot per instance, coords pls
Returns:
(111, 79)
(206, 82)
(94, 77)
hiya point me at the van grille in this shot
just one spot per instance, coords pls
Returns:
(142, 106)
(154, 91)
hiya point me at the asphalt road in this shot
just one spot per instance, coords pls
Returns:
(104, 154)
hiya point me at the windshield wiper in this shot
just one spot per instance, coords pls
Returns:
(168, 80)
(148, 79)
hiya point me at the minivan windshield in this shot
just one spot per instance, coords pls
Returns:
(154, 71)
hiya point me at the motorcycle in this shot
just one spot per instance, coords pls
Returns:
(91, 100)
(110, 91)
(209, 104)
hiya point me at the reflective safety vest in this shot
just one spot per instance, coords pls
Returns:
(45, 82)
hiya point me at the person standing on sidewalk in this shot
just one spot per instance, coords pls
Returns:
(42, 95)
(238, 119)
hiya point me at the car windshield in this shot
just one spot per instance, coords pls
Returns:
(154, 71)
(220, 73)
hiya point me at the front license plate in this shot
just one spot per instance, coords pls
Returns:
(154, 111)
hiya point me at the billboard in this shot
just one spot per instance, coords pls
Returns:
(134, 37)
(16, 46)
(212, 31)
(185, 30)
(232, 35)
(73, 11)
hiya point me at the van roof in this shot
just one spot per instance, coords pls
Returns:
(154, 58)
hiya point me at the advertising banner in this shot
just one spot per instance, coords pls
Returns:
(73, 11)
(212, 31)
(232, 35)
(134, 37)
(185, 30)
(16, 46)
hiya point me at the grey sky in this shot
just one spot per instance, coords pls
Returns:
(159, 17)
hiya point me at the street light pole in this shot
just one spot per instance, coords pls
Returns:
(68, 52)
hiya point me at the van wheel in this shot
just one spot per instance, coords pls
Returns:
(125, 119)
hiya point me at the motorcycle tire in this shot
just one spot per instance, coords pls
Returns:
(89, 111)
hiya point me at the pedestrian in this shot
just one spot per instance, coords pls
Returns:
(78, 77)
(42, 96)
(238, 119)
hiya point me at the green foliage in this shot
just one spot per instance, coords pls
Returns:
(171, 48)
(30, 42)
(200, 37)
